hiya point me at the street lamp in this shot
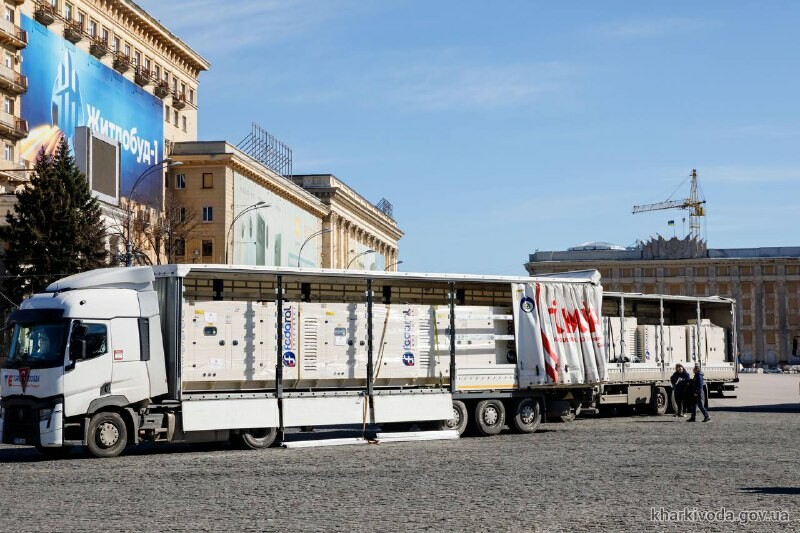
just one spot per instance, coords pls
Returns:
(258, 205)
(315, 234)
(365, 252)
(392, 265)
(128, 241)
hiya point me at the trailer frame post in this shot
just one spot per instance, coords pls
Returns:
(661, 333)
(452, 297)
(279, 352)
(370, 364)
(623, 346)
(699, 346)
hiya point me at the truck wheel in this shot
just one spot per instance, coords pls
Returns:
(572, 415)
(256, 439)
(107, 435)
(459, 420)
(527, 415)
(490, 416)
(660, 401)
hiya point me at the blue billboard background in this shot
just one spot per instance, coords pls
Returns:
(70, 88)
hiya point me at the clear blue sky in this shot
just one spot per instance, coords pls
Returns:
(499, 128)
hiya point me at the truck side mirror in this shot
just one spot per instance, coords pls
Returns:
(77, 349)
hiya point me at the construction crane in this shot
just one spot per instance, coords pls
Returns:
(693, 203)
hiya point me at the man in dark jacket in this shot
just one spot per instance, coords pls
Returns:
(698, 396)
(680, 379)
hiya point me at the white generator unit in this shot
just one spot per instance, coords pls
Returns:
(614, 335)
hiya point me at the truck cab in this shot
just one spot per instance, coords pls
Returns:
(84, 355)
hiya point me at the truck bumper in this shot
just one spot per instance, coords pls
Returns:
(32, 422)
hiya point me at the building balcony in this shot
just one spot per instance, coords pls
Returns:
(122, 63)
(12, 81)
(178, 100)
(142, 77)
(98, 48)
(161, 90)
(13, 35)
(45, 14)
(14, 171)
(73, 31)
(12, 127)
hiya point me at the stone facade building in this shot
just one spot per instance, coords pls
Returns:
(764, 281)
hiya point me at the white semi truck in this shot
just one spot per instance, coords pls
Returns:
(199, 353)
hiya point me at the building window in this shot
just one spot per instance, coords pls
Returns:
(166, 76)
(147, 65)
(208, 214)
(183, 119)
(68, 11)
(183, 89)
(8, 105)
(115, 44)
(81, 20)
(166, 114)
(9, 59)
(54, 3)
(104, 35)
(128, 51)
(182, 215)
(208, 180)
(723, 271)
(93, 28)
(9, 14)
(191, 96)
(175, 117)
(137, 58)
(157, 72)
(180, 181)
(208, 248)
(180, 247)
(9, 152)
(174, 84)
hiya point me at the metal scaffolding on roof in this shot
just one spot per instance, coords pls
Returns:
(267, 150)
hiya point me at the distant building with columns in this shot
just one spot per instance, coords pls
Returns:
(764, 281)
(248, 214)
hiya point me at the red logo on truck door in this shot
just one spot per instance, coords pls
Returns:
(23, 378)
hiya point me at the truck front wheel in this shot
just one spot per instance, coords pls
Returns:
(107, 435)
(256, 439)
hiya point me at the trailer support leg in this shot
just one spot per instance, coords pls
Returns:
(452, 337)
(279, 355)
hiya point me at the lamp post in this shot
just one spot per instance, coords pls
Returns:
(392, 265)
(315, 234)
(258, 205)
(129, 241)
(365, 252)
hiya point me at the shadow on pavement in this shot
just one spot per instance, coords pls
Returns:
(777, 408)
(771, 490)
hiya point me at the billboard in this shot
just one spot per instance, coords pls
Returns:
(272, 235)
(69, 88)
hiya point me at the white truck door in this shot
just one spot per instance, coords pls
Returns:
(88, 379)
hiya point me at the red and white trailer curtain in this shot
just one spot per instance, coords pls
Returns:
(558, 333)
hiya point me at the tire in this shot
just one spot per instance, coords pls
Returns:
(459, 420)
(573, 414)
(526, 416)
(255, 438)
(490, 416)
(660, 401)
(54, 453)
(107, 435)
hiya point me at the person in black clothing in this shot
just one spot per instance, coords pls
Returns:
(680, 379)
(698, 396)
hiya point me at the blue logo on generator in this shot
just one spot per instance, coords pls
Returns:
(289, 359)
(408, 359)
(527, 305)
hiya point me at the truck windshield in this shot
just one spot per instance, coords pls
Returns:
(37, 345)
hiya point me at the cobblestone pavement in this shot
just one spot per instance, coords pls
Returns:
(594, 473)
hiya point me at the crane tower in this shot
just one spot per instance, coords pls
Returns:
(693, 203)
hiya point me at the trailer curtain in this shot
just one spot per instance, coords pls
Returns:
(558, 333)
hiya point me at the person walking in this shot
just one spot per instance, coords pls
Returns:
(698, 396)
(680, 380)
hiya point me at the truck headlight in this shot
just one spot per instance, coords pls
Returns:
(45, 414)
